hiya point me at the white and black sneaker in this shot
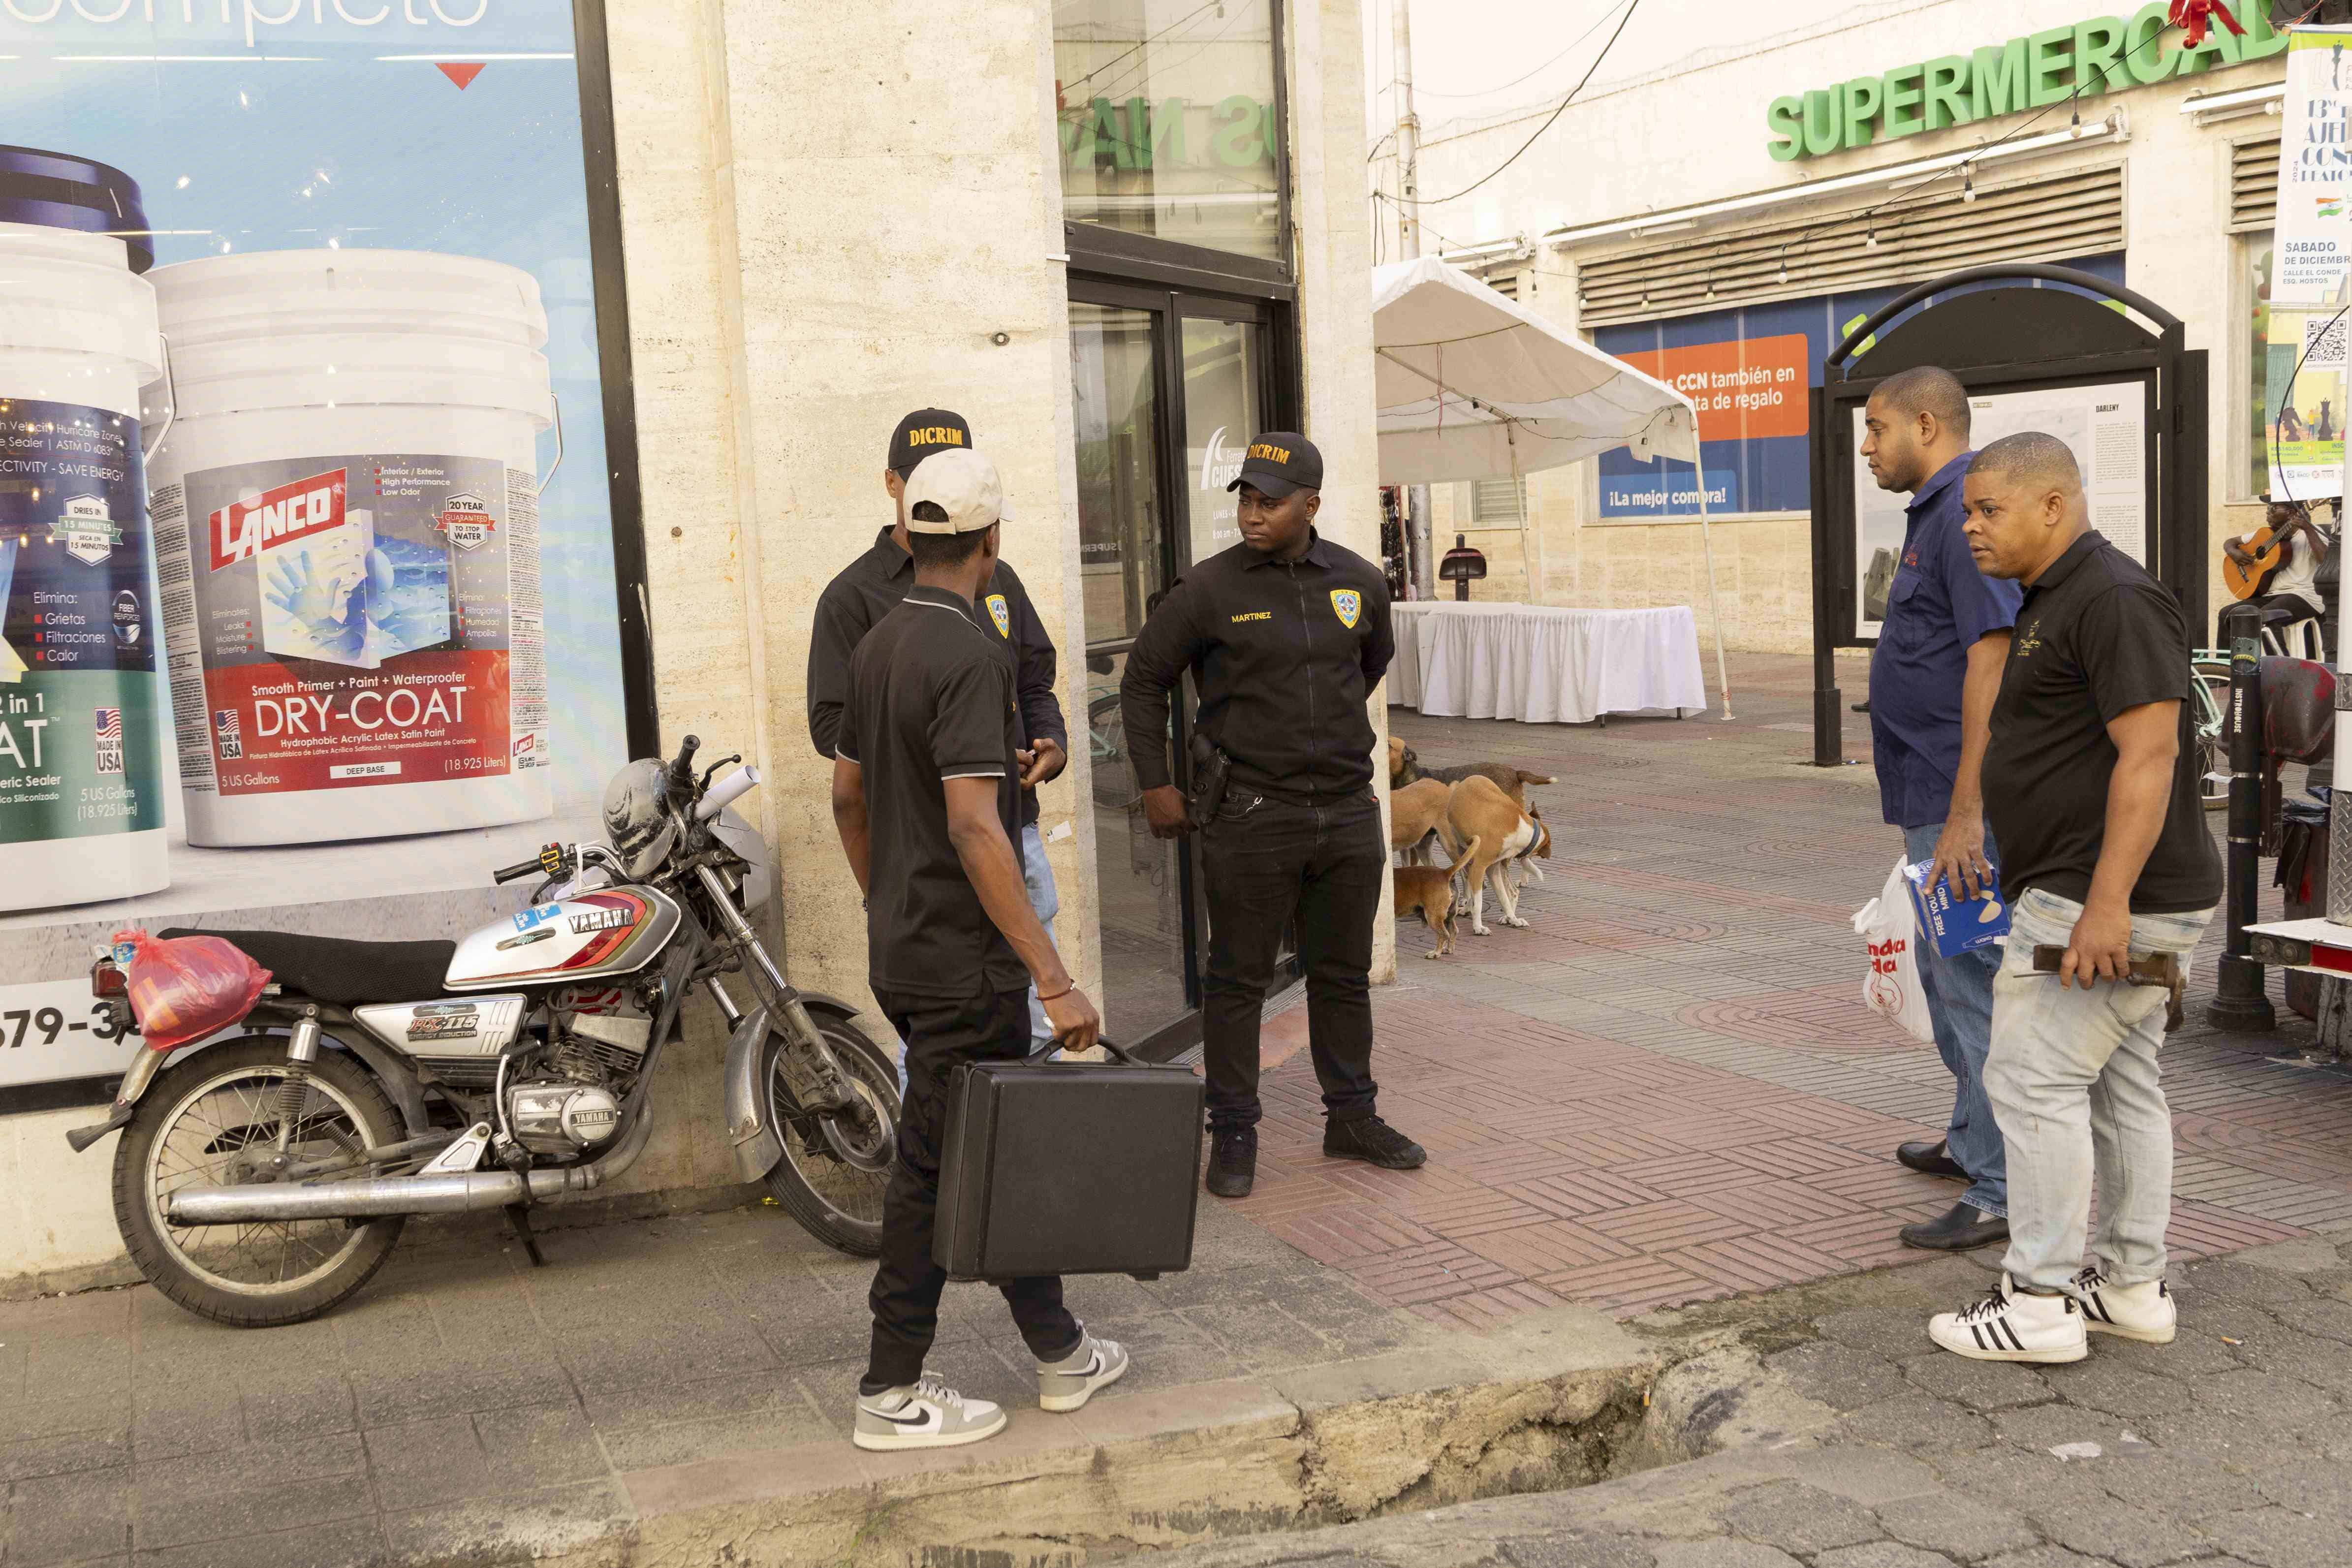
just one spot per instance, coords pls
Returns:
(2010, 1324)
(925, 1414)
(1066, 1385)
(2143, 1311)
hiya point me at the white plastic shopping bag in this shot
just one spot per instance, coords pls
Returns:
(1890, 926)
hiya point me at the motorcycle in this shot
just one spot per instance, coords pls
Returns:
(264, 1175)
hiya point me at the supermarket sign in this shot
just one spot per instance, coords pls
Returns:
(2103, 54)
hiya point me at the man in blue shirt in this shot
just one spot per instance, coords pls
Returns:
(1933, 679)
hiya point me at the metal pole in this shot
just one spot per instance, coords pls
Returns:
(2239, 1002)
(1706, 541)
(1408, 140)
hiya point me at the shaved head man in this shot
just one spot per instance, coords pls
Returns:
(1932, 680)
(2107, 862)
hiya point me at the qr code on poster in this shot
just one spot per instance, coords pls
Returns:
(2323, 342)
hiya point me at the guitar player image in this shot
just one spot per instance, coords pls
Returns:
(2277, 564)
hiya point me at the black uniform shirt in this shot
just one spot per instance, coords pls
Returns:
(2096, 636)
(870, 587)
(1284, 655)
(930, 698)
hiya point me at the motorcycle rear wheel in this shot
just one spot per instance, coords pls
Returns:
(191, 1128)
(834, 1184)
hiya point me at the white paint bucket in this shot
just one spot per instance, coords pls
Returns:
(81, 683)
(347, 523)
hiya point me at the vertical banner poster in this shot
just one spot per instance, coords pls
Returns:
(2304, 420)
(312, 617)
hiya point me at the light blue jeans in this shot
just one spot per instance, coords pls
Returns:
(1047, 899)
(1959, 1007)
(2073, 1079)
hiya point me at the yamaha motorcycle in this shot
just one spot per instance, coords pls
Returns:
(265, 1175)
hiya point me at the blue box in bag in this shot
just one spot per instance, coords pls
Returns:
(1956, 925)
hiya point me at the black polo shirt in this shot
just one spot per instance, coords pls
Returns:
(2096, 636)
(870, 587)
(1283, 655)
(930, 698)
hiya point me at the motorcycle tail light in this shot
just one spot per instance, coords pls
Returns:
(108, 978)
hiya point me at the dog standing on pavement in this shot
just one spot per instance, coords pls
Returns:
(1415, 813)
(1479, 812)
(1428, 891)
(1404, 768)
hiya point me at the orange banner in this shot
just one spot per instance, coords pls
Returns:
(1746, 390)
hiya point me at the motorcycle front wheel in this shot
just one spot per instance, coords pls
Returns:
(837, 1167)
(209, 1122)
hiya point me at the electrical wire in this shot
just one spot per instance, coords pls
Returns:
(1142, 45)
(1439, 201)
(1420, 92)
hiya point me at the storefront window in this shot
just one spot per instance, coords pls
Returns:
(1168, 120)
(1221, 414)
(327, 503)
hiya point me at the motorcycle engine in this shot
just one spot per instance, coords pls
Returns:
(559, 1117)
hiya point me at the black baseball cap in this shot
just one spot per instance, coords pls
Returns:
(1279, 462)
(924, 432)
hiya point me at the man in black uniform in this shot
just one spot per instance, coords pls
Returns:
(870, 587)
(1285, 635)
(924, 796)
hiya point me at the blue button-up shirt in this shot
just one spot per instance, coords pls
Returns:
(1936, 608)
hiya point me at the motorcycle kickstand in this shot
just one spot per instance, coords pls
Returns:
(519, 1217)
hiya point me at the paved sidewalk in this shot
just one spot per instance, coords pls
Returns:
(1667, 1088)
(2228, 1447)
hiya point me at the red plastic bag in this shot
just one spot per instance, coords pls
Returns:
(186, 987)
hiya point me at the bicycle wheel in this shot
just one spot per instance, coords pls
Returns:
(2211, 678)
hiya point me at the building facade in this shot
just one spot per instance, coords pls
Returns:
(759, 234)
(1725, 223)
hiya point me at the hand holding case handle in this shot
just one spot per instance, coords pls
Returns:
(1068, 1168)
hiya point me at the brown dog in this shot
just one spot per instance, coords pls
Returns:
(1427, 891)
(1414, 812)
(1404, 768)
(1479, 812)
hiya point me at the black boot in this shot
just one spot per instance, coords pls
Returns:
(1232, 1162)
(1374, 1141)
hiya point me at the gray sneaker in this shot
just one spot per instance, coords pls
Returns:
(1069, 1382)
(926, 1414)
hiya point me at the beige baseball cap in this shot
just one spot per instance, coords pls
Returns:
(959, 482)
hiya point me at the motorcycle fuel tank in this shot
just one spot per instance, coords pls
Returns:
(592, 936)
(477, 1027)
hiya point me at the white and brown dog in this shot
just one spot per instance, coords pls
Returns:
(1479, 812)
(1404, 768)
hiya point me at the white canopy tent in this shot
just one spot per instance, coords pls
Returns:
(1470, 384)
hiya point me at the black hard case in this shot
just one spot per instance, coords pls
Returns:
(1068, 1168)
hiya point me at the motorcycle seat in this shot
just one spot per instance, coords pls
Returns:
(343, 973)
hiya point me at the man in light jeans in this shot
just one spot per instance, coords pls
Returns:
(2111, 878)
(1932, 679)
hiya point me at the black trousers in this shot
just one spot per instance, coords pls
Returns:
(940, 1034)
(1267, 865)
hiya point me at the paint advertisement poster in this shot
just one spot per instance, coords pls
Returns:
(314, 621)
(2314, 182)
(2104, 426)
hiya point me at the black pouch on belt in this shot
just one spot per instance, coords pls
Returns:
(1211, 770)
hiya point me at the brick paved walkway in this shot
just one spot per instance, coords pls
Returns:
(1667, 1089)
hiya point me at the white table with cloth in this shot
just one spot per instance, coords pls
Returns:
(1542, 665)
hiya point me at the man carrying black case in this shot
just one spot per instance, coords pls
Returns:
(926, 795)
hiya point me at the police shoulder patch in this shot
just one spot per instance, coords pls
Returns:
(1346, 604)
(1003, 615)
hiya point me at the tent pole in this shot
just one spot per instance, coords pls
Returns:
(1531, 558)
(1713, 605)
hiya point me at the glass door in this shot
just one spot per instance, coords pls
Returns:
(1167, 390)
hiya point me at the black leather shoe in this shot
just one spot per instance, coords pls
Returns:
(1962, 1230)
(1862, 706)
(1232, 1162)
(1374, 1141)
(1930, 1159)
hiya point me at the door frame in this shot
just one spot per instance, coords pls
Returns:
(1171, 302)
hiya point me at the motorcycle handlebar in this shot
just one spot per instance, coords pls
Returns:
(518, 872)
(681, 771)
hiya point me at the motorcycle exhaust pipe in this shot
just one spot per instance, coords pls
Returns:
(457, 1194)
